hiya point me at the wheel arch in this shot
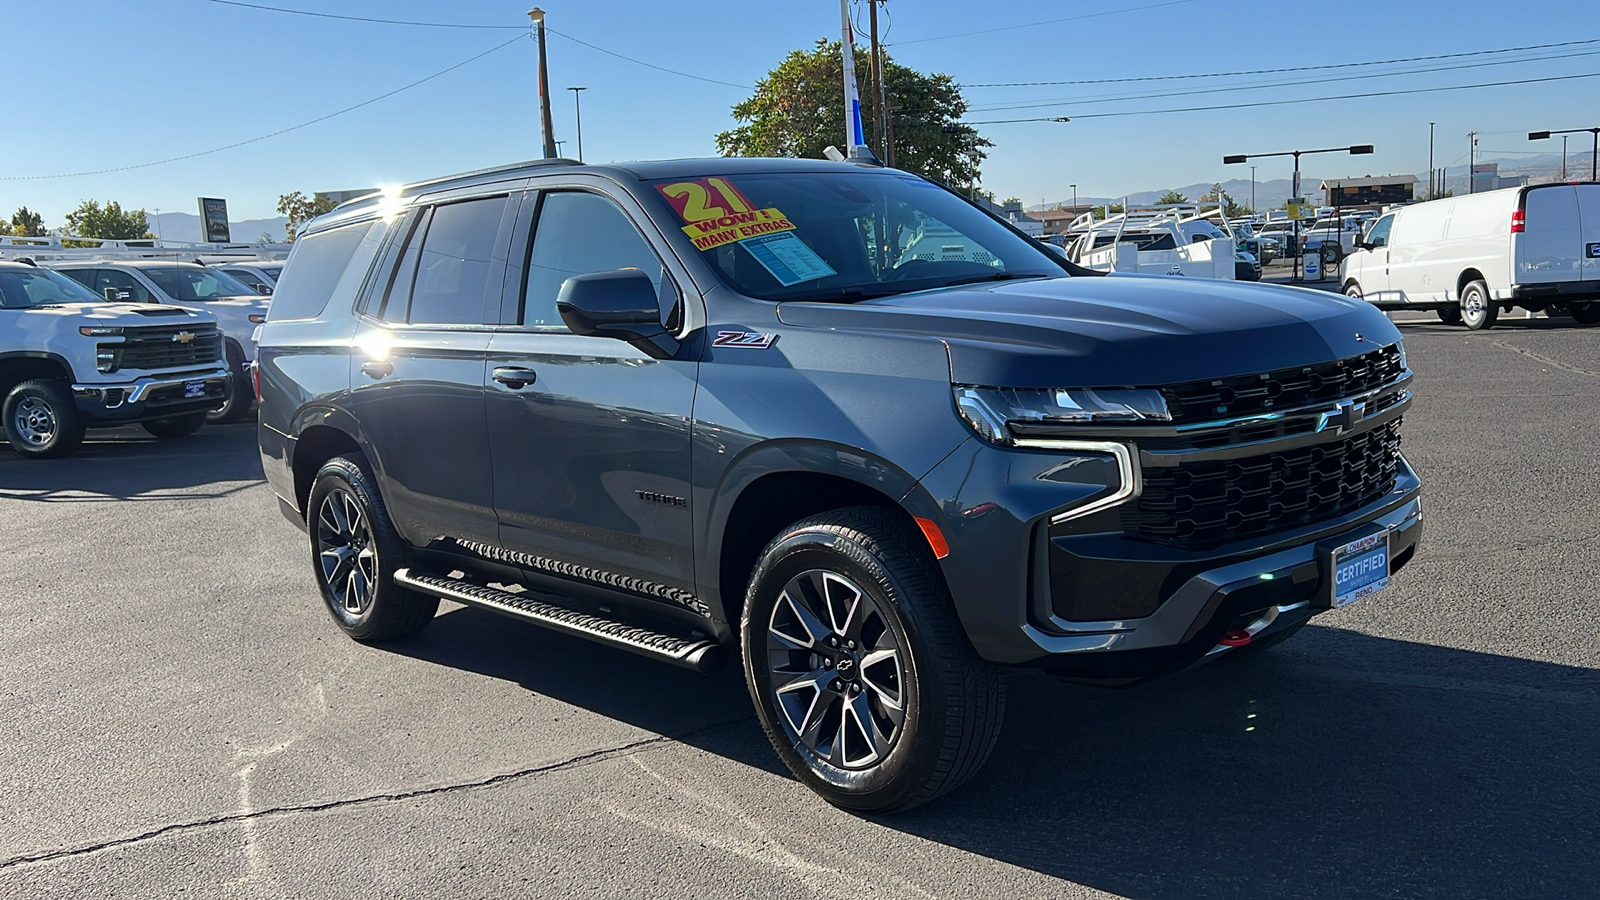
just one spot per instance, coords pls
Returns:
(1468, 276)
(17, 366)
(316, 441)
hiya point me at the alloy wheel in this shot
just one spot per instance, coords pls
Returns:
(347, 554)
(838, 677)
(35, 421)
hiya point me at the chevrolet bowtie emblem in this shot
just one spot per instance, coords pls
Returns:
(183, 337)
(1344, 417)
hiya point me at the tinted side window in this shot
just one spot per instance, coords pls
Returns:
(84, 277)
(392, 307)
(577, 233)
(123, 281)
(317, 263)
(452, 274)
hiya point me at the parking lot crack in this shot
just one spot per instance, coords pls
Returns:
(275, 812)
(1568, 367)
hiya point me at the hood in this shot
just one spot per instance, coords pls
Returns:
(1133, 330)
(121, 314)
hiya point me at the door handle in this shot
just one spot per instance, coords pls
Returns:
(514, 377)
(377, 368)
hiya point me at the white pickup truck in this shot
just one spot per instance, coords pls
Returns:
(70, 360)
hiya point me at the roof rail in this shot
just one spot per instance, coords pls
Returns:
(54, 248)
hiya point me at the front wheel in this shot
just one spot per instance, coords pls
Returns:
(1353, 291)
(861, 674)
(1477, 310)
(175, 426)
(241, 399)
(41, 419)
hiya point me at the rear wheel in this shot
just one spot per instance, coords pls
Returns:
(354, 554)
(41, 419)
(1450, 315)
(1477, 310)
(861, 675)
(175, 426)
(1586, 314)
(1353, 290)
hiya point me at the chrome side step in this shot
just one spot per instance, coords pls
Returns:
(703, 655)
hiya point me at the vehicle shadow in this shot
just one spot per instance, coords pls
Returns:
(1340, 765)
(129, 464)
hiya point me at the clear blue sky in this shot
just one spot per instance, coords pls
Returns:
(96, 85)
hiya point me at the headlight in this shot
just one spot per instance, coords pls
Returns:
(1401, 346)
(992, 411)
(99, 330)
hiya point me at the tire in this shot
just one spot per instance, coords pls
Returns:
(1267, 643)
(1331, 254)
(1478, 312)
(41, 420)
(241, 398)
(175, 426)
(1586, 314)
(1353, 291)
(865, 564)
(354, 554)
(1450, 315)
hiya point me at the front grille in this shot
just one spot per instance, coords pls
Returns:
(1243, 395)
(1203, 504)
(156, 348)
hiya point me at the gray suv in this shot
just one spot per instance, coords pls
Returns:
(828, 419)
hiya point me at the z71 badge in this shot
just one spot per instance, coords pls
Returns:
(752, 339)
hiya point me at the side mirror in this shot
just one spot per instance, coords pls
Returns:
(618, 304)
(1362, 244)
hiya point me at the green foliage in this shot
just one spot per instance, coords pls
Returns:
(110, 222)
(798, 110)
(1172, 197)
(25, 223)
(301, 209)
(1229, 208)
(1111, 209)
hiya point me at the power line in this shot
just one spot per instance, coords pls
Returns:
(320, 15)
(641, 62)
(1153, 112)
(1376, 62)
(274, 134)
(1109, 12)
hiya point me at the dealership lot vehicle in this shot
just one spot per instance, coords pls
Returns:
(237, 308)
(695, 409)
(1471, 257)
(71, 361)
(260, 276)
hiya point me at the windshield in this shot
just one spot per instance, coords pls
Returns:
(846, 235)
(25, 288)
(195, 283)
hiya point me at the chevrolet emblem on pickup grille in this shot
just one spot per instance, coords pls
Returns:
(183, 337)
(1345, 417)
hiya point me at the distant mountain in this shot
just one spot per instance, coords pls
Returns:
(177, 226)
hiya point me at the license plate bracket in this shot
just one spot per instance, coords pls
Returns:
(194, 389)
(1357, 568)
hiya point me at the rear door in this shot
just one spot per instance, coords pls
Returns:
(591, 452)
(416, 373)
(1589, 221)
(1551, 246)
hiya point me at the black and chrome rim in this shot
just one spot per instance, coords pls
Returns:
(1473, 304)
(34, 421)
(837, 674)
(346, 553)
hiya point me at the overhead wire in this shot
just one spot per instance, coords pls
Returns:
(308, 123)
(1096, 15)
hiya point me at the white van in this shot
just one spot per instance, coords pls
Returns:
(1537, 247)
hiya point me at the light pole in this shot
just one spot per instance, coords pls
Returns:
(1353, 150)
(1472, 162)
(537, 15)
(577, 109)
(1252, 190)
(1074, 198)
(1594, 158)
(1430, 160)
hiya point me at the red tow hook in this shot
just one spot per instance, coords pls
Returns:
(1236, 637)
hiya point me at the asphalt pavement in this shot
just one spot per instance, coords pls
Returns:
(178, 715)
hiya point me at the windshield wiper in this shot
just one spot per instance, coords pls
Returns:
(998, 276)
(844, 295)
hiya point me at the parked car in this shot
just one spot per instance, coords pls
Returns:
(1469, 257)
(260, 276)
(1333, 237)
(752, 408)
(70, 360)
(237, 308)
(1283, 233)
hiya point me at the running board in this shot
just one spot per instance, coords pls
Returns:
(704, 655)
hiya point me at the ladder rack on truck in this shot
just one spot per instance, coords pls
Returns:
(62, 248)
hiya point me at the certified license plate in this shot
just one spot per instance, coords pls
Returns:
(1360, 569)
(194, 389)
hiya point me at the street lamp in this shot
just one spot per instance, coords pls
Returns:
(1353, 150)
(577, 108)
(1074, 197)
(1594, 158)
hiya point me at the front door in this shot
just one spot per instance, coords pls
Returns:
(1375, 283)
(589, 435)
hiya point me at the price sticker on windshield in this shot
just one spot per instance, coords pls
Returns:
(718, 213)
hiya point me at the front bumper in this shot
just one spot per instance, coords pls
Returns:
(151, 397)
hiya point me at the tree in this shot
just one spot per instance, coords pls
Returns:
(301, 209)
(90, 219)
(26, 223)
(798, 110)
(1172, 197)
(1111, 209)
(1230, 209)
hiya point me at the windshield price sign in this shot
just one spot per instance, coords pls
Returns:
(718, 213)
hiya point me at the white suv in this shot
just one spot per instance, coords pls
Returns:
(70, 360)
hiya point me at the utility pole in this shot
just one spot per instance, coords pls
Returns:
(1430, 161)
(1252, 189)
(1472, 162)
(877, 83)
(577, 109)
(1563, 164)
(1074, 197)
(537, 15)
